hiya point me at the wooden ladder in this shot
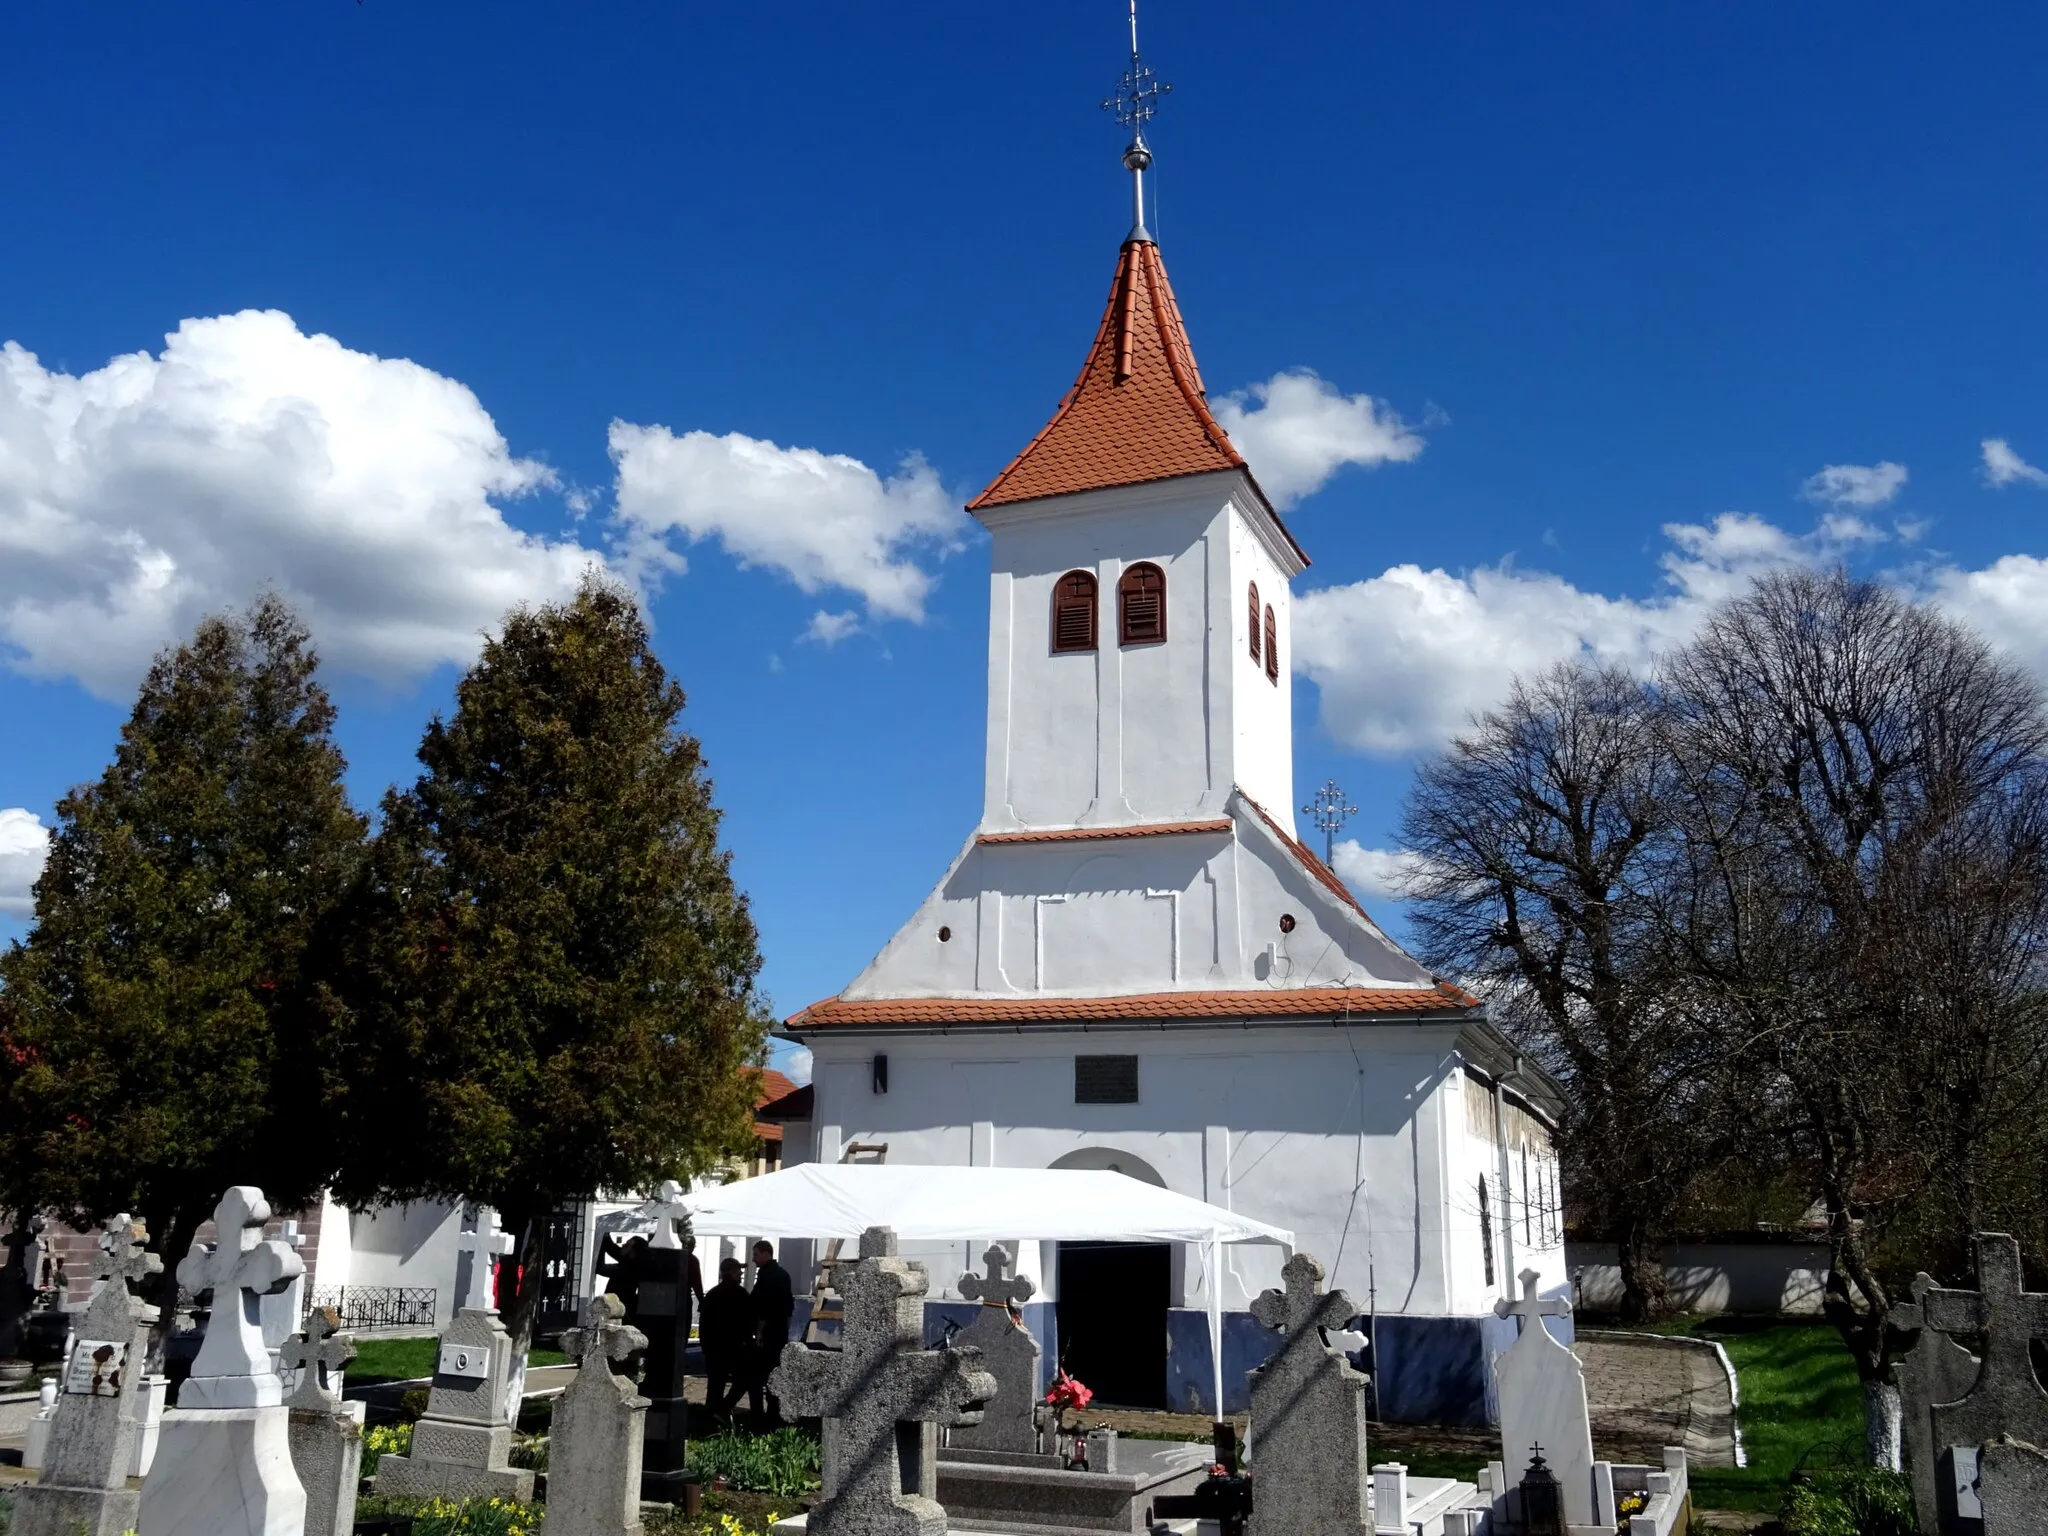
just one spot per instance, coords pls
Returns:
(826, 1306)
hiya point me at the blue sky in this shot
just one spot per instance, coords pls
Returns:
(1595, 294)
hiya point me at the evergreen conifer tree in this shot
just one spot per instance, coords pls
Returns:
(552, 973)
(161, 1036)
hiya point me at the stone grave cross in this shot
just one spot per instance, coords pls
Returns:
(485, 1243)
(2007, 1400)
(83, 1481)
(233, 1369)
(595, 1442)
(1008, 1352)
(1543, 1400)
(669, 1211)
(1308, 1412)
(881, 1388)
(997, 1289)
(603, 1336)
(322, 1348)
(1935, 1369)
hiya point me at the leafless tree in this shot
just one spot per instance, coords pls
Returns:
(1857, 888)
(1535, 831)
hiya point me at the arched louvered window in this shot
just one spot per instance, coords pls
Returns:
(1252, 607)
(1141, 604)
(1073, 612)
(1272, 647)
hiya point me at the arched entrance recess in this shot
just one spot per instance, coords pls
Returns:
(1113, 1301)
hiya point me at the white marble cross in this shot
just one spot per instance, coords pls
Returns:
(233, 1368)
(485, 1244)
(667, 1209)
(321, 1348)
(999, 1289)
(1543, 1400)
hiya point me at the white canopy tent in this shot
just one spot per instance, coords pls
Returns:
(939, 1204)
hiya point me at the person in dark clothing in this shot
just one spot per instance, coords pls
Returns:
(726, 1333)
(774, 1305)
(621, 1265)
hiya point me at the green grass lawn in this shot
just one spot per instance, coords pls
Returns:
(406, 1359)
(1801, 1405)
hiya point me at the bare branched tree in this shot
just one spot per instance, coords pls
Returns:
(1536, 830)
(1858, 889)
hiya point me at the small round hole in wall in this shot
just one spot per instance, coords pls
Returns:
(1287, 922)
(945, 935)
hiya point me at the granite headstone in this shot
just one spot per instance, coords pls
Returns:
(594, 1444)
(82, 1484)
(462, 1446)
(1308, 1412)
(326, 1433)
(1935, 1369)
(882, 1388)
(1009, 1353)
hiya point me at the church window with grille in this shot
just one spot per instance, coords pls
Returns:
(1141, 605)
(1272, 647)
(1073, 612)
(1252, 607)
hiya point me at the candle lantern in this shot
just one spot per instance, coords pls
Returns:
(1542, 1498)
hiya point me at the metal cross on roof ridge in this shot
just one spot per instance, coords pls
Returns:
(1328, 811)
(1136, 98)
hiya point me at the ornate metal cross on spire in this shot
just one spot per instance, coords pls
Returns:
(1329, 812)
(1135, 102)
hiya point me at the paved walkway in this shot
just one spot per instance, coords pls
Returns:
(1647, 1392)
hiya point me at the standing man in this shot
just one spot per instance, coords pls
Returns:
(726, 1332)
(774, 1306)
(622, 1266)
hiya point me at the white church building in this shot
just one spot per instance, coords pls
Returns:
(1134, 963)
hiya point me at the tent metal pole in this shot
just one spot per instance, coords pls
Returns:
(1216, 1322)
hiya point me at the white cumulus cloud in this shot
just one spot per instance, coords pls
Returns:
(1855, 485)
(2004, 467)
(1297, 430)
(24, 843)
(831, 628)
(364, 490)
(1404, 659)
(1379, 873)
(824, 520)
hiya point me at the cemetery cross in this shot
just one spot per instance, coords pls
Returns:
(2007, 1398)
(485, 1243)
(233, 1369)
(1543, 1398)
(1008, 1353)
(882, 1387)
(321, 1348)
(998, 1289)
(1308, 1412)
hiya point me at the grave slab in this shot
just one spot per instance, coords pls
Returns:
(461, 1446)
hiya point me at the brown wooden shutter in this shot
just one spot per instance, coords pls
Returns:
(1141, 604)
(1073, 612)
(1272, 647)
(1252, 606)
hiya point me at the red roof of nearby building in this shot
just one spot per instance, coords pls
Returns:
(1265, 1003)
(1083, 834)
(1137, 413)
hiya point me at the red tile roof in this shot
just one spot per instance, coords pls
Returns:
(1082, 834)
(1137, 413)
(1265, 1003)
(770, 1085)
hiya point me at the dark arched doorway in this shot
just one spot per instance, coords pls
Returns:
(1113, 1301)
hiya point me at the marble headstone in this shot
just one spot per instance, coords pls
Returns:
(326, 1433)
(1308, 1412)
(1543, 1400)
(594, 1444)
(1009, 1421)
(82, 1484)
(881, 1389)
(462, 1446)
(663, 1316)
(1936, 1369)
(223, 1465)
